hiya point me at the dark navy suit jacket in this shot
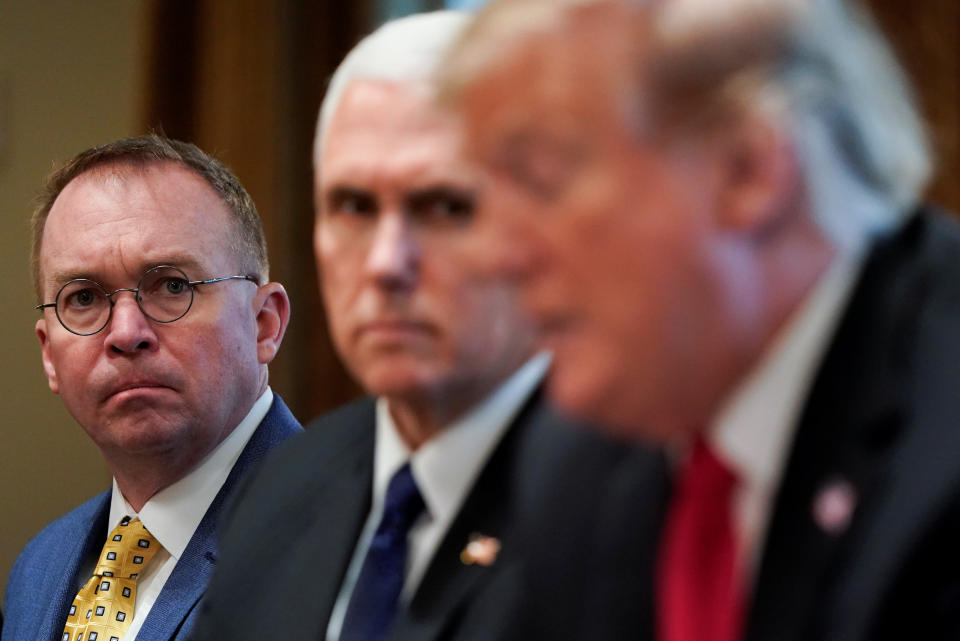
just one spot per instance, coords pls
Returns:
(285, 578)
(45, 578)
(883, 416)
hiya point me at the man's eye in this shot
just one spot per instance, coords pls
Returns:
(352, 204)
(81, 298)
(445, 206)
(542, 167)
(164, 287)
(174, 286)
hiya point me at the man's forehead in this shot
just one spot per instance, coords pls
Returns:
(135, 188)
(413, 108)
(415, 135)
(116, 176)
(140, 216)
(132, 270)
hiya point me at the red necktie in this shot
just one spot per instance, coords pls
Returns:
(698, 591)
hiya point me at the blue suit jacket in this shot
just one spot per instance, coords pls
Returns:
(45, 578)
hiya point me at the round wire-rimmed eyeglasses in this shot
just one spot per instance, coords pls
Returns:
(164, 294)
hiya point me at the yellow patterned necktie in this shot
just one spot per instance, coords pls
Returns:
(103, 608)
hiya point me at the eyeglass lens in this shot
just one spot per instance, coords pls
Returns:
(163, 294)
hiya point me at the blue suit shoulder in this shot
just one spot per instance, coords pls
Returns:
(43, 578)
(79, 516)
(35, 554)
(43, 569)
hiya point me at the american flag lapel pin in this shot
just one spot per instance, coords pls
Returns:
(480, 550)
(834, 505)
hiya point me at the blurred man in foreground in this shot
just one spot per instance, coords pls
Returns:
(396, 510)
(712, 209)
(158, 322)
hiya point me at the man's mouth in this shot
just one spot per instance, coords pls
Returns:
(396, 328)
(134, 388)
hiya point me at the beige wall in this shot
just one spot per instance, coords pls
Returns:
(70, 77)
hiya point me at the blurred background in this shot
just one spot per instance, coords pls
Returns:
(242, 79)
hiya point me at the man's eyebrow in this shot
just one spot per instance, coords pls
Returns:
(186, 263)
(60, 277)
(340, 192)
(432, 193)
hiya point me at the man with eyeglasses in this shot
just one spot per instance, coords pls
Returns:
(158, 323)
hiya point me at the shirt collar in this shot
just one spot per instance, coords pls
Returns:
(754, 427)
(173, 514)
(446, 466)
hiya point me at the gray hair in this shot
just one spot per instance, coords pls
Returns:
(406, 50)
(859, 134)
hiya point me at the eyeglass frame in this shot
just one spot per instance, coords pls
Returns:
(192, 284)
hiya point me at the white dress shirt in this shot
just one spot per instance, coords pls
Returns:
(445, 469)
(753, 431)
(173, 514)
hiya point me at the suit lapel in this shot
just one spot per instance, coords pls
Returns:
(921, 478)
(448, 581)
(922, 474)
(342, 502)
(330, 511)
(623, 558)
(803, 546)
(188, 581)
(851, 424)
(55, 595)
(183, 588)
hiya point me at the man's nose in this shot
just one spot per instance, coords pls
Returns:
(129, 329)
(393, 260)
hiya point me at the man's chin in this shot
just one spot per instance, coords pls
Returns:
(143, 432)
(397, 382)
(583, 387)
(133, 398)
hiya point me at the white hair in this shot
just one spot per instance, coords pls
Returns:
(850, 111)
(407, 50)
(857, 132)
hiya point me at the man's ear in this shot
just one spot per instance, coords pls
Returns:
(272, 309)
(759, 175)
(48, 368)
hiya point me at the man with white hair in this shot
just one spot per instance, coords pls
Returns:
(712, 209)
(392, 518)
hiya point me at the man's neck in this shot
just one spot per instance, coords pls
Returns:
(790, 269)
(138, 482)
(419, 420)
(421, 417)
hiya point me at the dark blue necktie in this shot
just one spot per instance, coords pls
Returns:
(373, 604)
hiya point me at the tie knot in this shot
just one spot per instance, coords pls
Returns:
(129, 548)
(403, 503)
(704, 472)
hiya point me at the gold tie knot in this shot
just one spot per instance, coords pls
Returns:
(103, 608)
(127, 551)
